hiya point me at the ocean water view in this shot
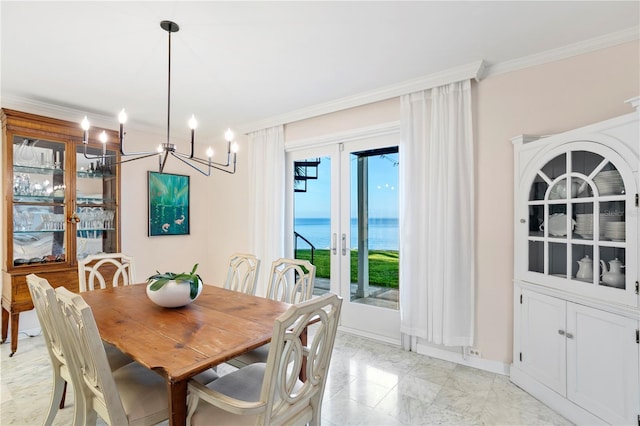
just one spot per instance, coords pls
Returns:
(383, 233)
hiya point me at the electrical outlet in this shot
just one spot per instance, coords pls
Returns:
(474, 352)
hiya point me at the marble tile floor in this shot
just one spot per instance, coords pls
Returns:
(370, 383)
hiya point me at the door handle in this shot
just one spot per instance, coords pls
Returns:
(344, 244)
(569, 336)
(561, 332)
(334, 247)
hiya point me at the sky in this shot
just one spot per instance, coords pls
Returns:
(383, 189)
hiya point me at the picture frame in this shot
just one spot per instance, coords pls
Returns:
(168, 199)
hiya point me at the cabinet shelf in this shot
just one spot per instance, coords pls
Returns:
(95, 175)
(34, 170)
(38, 231)
(93, 202)
(31, 199)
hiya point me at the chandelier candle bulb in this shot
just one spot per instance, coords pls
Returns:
(103, 139)
(85, 129)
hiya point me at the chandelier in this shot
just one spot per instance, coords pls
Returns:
(166, 149)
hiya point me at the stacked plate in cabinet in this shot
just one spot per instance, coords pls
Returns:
(584, 225)
(610, 226)
(609, 182)
(614, 231)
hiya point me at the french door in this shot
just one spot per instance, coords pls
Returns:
(343, 200)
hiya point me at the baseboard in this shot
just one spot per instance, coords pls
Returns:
(552, 399)
(470, 361)
(372, 336)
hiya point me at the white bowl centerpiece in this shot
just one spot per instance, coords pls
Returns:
(172, 290)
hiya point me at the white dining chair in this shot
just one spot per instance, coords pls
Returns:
(131, 394)
(48, 313)
(94, 270)
(242, 273)
(291, 281)
(272, 393)
(47, 310)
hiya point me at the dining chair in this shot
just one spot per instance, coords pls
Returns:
(48, 313)
(271, 393)
(47, 310)
(243, 273)
(131, 394)
(98, 268)
(291, 281)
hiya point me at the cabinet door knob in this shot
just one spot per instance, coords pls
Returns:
(561, 332)
(523, 220)
(569, 336)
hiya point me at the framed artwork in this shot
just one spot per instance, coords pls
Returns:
(168, 197)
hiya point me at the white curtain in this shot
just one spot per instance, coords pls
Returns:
(267, 191)
(437, 216)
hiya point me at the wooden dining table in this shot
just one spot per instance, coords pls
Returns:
(179, 343)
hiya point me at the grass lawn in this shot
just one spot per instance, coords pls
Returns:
(383, 266)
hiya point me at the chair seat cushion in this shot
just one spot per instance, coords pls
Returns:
(143, 394)
(244, 384)
(206, 376)
(115, 356)
(259, 354)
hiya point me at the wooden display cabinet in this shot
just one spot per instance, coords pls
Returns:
(59, 206)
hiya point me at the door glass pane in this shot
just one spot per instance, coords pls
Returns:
(312, 217)
(374, 228)
(39, 220)
(96, 192)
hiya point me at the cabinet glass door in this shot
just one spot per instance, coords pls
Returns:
(96, 208)
(577, 212)
(39, 216)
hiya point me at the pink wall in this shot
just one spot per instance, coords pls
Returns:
(544, 99)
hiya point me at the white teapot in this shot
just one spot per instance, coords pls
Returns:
(614, 275)
(585, 271)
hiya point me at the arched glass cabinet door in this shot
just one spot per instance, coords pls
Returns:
(578, 203)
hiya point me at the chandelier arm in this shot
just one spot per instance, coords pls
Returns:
(179, 157)
(227, 168)
(146, 155)
(204, 161)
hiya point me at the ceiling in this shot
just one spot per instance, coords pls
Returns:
(236, 63)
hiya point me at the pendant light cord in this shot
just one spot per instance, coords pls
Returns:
(169, 93)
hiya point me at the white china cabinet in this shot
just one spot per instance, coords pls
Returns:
(576, 303)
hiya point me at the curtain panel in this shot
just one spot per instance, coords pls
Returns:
(267, 189)
(437, 231)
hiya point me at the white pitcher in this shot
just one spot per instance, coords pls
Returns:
(585, 270)
(614, 275)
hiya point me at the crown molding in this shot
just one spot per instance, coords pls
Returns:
(69, 114)
(582, 47)
(473, 70)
